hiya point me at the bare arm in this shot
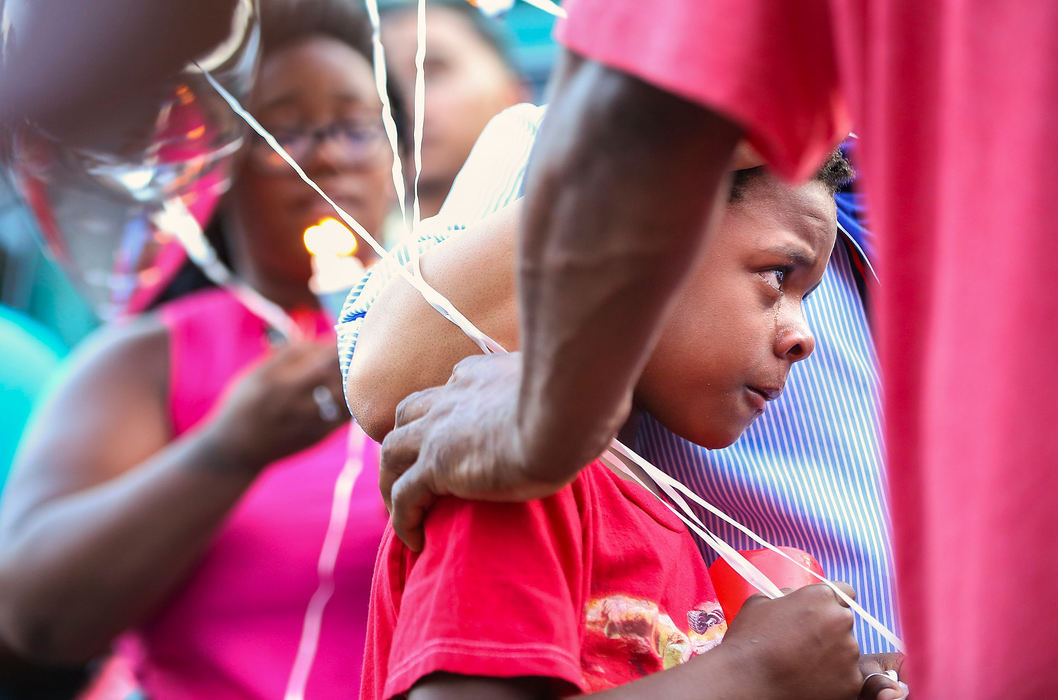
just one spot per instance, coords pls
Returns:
(623, 187)
(405, 346)
(701, 679)
(104, 515)
(792, 648)
(624, 180)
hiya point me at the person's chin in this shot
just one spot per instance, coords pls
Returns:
(723, 433)
(713, 436)
(720, 441)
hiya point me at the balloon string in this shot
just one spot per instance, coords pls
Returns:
(548, 6)
(388, 122)
(671, 486)
(176, 219)
(332, 541)
(446, 308)
(420, 109)
(438, 301)
(728, 553)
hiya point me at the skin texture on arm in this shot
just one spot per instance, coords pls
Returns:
(618, 193)
(405, 346)
(103, 515)
(683, 681)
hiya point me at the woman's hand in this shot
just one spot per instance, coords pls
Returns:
(280, 406)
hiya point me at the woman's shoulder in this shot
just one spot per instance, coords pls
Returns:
(129, 349)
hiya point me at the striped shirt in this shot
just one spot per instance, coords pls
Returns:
(808, 473)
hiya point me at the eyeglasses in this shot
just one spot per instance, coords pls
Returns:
(355, 143)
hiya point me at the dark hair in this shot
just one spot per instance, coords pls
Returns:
(836, 173)
(493, 32)
(285, 22)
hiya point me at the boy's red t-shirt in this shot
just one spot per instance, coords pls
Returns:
(954, 104)
(595, 586)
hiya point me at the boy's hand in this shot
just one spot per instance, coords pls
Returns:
(798, 646)
(877, 685)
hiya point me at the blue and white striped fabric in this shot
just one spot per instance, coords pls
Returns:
(807, 474)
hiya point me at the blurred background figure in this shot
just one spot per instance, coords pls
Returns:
(470, 74)
(49, 314)
(171, 496)
(29, 356)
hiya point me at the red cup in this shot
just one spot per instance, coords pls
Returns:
(732, 590)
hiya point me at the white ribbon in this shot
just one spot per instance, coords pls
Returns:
(615, 453)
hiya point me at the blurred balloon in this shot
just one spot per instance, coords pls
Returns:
(97, 209)
(732, 589)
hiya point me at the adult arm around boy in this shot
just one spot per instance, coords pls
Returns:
(581, 293)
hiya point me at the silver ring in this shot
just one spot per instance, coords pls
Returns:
(325, 403)
(892, 675)
(869, 676)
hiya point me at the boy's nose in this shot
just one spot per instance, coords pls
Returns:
(795, 342)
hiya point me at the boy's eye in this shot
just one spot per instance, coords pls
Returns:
(774, 278)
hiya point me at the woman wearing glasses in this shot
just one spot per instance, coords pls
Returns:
(174, 494)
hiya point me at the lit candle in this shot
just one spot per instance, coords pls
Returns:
(492, 7)
(335, 267)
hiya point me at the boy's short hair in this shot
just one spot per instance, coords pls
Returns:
(835, 174)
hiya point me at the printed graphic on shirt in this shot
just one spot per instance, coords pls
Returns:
(627, 638)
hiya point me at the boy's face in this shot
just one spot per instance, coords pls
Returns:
(739, 324)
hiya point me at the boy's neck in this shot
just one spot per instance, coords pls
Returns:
(627, 433)
(627, 436)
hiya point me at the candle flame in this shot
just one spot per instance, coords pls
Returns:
(330, 237)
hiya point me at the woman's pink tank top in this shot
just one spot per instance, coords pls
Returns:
(232, 630)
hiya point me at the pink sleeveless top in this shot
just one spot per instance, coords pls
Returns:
(232, 629)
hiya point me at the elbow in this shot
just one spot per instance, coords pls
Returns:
(46, 639)
(366, 402)
(49, 630)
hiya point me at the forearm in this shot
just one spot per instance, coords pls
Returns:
(717, 675)
(78, 570)
(404, 345)
(604, 250)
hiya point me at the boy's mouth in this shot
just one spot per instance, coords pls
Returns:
(768, 393)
